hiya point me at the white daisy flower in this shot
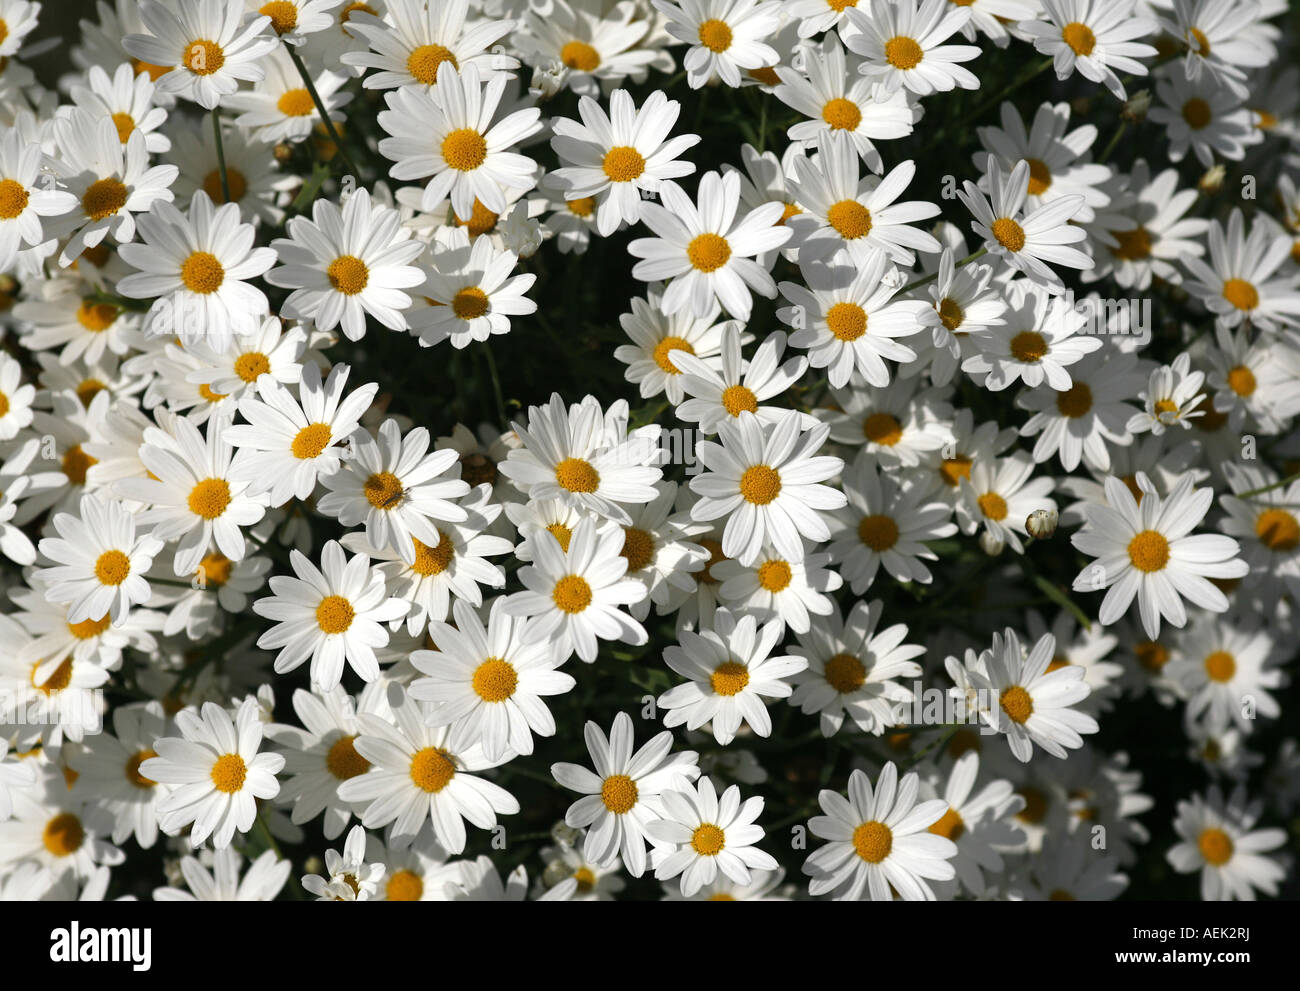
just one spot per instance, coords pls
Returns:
(1029, 242)
(449, 134)
(1094, 38)
(720, 395)
(1220, 667)
(348, 878)
(1040, 338)
(731, 671)
(15, 776)
(62, 314)
(489, 681)
(767, 483)
(966, 303)
(902, 44)
(332, 615)
(1266, 525)
(878, 839)
(217, 772)
(422, 773)
(55, 836)
(1205, 117)
(661, 553)
(1245, 279)
(658, 336)
(127, 98)
(998, 496)
(343, 265)
(1220, 40)
(15, 400)
(294, 20)
(596, 49)
(236, 370)
(1147, 550)
(980, 823)
(725, 36)
(100, 562)
(288, 443)
(262, 882)
(19, 19)
(208, 48)
(279, 107)
(252, 173)
(573, 596)
(772, 588)
(703, 835)
(854, 670)
(1173, 396)
(1034, 706)
(126, 802)
(24, 200)
(197, 269)
(1220, 840)
(625, 793)
(706, 252)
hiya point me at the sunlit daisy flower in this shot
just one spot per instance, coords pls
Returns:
(594, 882)
(998, 496)
(54, 834)
(719, 395)
(703, 834)
(731, 671)
(886, 523)
(995, 19)
(419, 872)
(346, 264)
(766, 481)
(270, 349)
(1146, 550)
(1094, 38)
(422, 773)
(262, 882)
(217, 772)
(853, 324)
(661, 553)
(24, 199)
(1245, 278)
(488, 681)
(348, 877)
(839, 210)
(125, 801)
(1173, 396)
(251, 172)
(127, 98)
(878, 839)
(1220, 667)
(789, 592)
(595, 49)
(854, 670)
(294, 20)
(1266, 525)
(1220, 841)
(705, 250)
(112, 182)
(902, 44)
(63, 315)
(625, 793)
(15, 775)
(279, 107)
(837, 99)
(208, 48)
(48, 698)
(980, 823)
(764, 178)
(1203, 116)
(449, 134)
(320, 756)
(198, 269)
(288, 443)
(1041, 338)
(896, 425)
(332, 615)
(397, 488)
(584, 458)
(19, 19)
(416, 39)
(573, 595)
(618, 158)
(191, 497)
(99, 561)
(473, 291)
(1031, 241)
(725, 36)
(965, 303)
(1219, 41)
(1157, 234)
(656, 335)
(15, 399)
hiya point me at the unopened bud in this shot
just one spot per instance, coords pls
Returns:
(565, 835)
(1041, 523)
(1135, 109)
(1212, 181)
(992, 543)
(555, 872)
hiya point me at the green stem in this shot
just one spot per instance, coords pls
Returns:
(320, 109)
(121, 302)
(496, 385)
(1110, 147)
(221, 154)
(1032, 73)
(1268, 488)
(935, 274)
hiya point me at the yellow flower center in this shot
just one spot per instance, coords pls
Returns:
(112, 567)
(76, 463)
(132, 769)
(58, 680)
(950, 826)
(13, 199)
(383, 490)
(209, 498)
(234, 179)
(103, 198)
(847, 321)
(334, 614)
(1009, 234)
(1149, 551)
(760, 485)
(580, 56)
(583, 206)
(423, 63)
(229, 772)
(715, 35)
(737, 399)
(845, 673)
(1241, 294)
(882, 428)
(1040, 177)
(481, 219)
(993, 506)
(202, 273)
(63, 835)
(89, 628)
(203, 57)
(873, 840)
(1017, 704)
(666, 345)
(842, 114)
(1202, 42)
(96, 317)
(1028, 346)
(1075, 401)
(878, 532)
(252, 365)
(284, 15)
(1278, 530)
(850, 219)
(433, 560)
(586, 880)
(765, 74)
(296, 103)
(495, 680)
(155, 71)
(953, 470)
(1215, 846)
(311, 440)
(562, 535)
(623, 163)
(571, 594)
(404, 886)
(1220, 666)
(951, 314)
(1196, 112)
(1241, 380)
(577, 475)
(729, 678)
(432, 769)
(774, 575)
(215, 568)
(470, 303)
(1134, 245)
(464, 149)
(708, 252)
(348, 274)
(1152, 655)
(708, 840)
(638, 548)
(619, 793)
(903, 52)
(1079, 37)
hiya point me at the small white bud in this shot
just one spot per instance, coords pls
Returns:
(1041, 523)
(992, 543)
